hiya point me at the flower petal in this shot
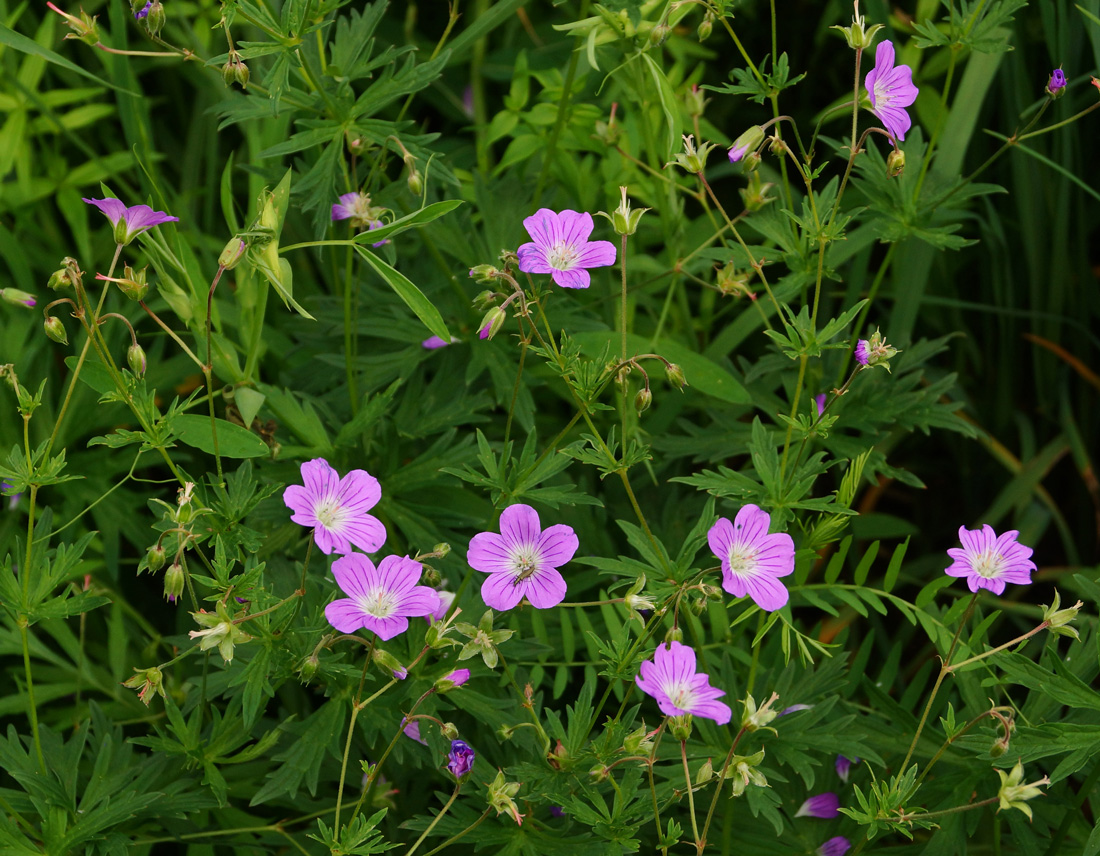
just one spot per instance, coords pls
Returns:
(544, 588)
(500, 593)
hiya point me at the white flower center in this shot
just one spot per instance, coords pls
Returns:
(743, 560)
(329, 513)
(380, 603)
(883, 96)
(563, 256)
(525, 562)
(681, 695)
(989, 564)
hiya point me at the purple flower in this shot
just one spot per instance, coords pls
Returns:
(891, 90)
(671, 679)
(753, 560)
(738, 152)
(379, 599)
(356, 207)
(795, 708)
(130, 222)
(825, 806)
(557, 811)
(863, 352)
(820, 400)
(844, 767)
(144, 12)
(522, 561)
(413, 730)
(988, 561)
(561, 247)
(452, 680)
(836, 846)
(460, 760)
(446, 598)
(8, 490)
(1056, 83)
(433, 342)
(337, 508)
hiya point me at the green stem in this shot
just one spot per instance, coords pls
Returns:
(435, 820)
(459, 835)
(691, 798)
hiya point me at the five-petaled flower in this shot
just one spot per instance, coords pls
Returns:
(671, 679)
(337, 507)
(380, 599)
(130, 222)
(522, 561)
(989, 561)
(753, 560)
(891, 90)
(560, 247)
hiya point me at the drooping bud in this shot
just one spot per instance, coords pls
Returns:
(659, 33)
(135, 357)
(55, 330)
(67, 276)
(415, 182)
(309, 668)
(155, 557)
(751, 162)
(675, 634)
(484, 274)
(492, 322)
(154, 19)
(449, 730)
(441, 549)
(706, 27)
(643, 400)
(895, 163)
(675, 376)
(173, 582)
(389, 663)
(452, 680)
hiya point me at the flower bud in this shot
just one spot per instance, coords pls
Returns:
(452, 681)
(998, 748)
(694, 101)
(747, 142)
(449, 730)
(173, 582)
(659, 33)
(705, 774)
(460, 760)
(1056, 85)
(675, 375)
(154, 19)
(484, 274)
(149, 680)
(132, 282)
(706, 27)
(642, 400)
(492, 322)
(680, 726)
(638, 742)
(389, 663)
(895, 163)
(415, 182)
(751, 162)
(875, 351)
(232, 254)
(155, 557)
(135, 356)
(441, 549)
(17, 298)
(309, 668)
(241, 74)
(430, 577)
(55, 330)
(67, 276)
(675, 634)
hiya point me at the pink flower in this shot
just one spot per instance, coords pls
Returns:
(446, 598)
(561, 247)
(130, 222)
(412, 730)
(753, 560)
(825, 806)
(891, 90)
(522, 561)
(337, 508)
(379, 599)
(357, 208)
(988, 561)
(820, 400)
(670, 678)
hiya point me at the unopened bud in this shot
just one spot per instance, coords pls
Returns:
(389, 663)
(309, 668)
(746, 143)
(430, 577)
(492, 322)
(659, 33)
(441, 549)
(642, 400)
(450, 730)
(705, 774)
(415, 182)
(680, 726)
(1056, 85)
(675, 375)
(17, 298)
(232, 254)
(675, 634)
(751, 162)
(997, 749)
(155, 557)
(173, 582)
(135, 356)
(154, 19)
(598, 772)
(484, 274)
(694, 101)
(895, 163)
(241, 74)
(55, 330)
(706, 27)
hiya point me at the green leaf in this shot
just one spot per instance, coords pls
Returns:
(414, 298)
(19, 42)
(233, 440)
(668, 102)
